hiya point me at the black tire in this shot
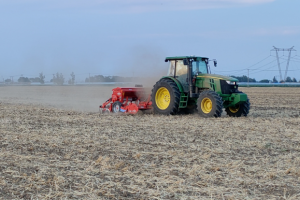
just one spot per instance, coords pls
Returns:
(214, 102)
(174, 97)
(116, 107)
(239, 110)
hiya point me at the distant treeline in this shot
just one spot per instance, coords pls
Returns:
(101, 78)
(244, 78)
(40, 79)
(274, 80)
(28, 80)
(58, 79)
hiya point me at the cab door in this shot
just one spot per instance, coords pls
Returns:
(181, 74)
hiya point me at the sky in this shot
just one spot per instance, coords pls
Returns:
(132, 37)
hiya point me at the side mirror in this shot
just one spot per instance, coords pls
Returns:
(185, 61)
(215, 63)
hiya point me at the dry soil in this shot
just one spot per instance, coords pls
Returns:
(54, 145)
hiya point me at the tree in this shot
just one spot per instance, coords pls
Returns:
(35, 80)
(96, 78)
(7, 80)
(23, 80)
(288, 79)
(244, 78)
(275, 80)
(72, 80)
(42, 78)
(58, 79)
(265, 81)
(294, 80)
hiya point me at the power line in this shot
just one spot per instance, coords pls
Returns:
(263, 65)
(259, 68)
(258, 62)
(290, 70)
(293, 59)
(247, 67)
(267, 69)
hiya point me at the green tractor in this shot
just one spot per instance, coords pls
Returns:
(190, 87)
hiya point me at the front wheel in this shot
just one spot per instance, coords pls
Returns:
(209, 104)
(238, 110)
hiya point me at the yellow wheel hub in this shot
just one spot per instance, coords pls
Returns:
(162, 98)
(206, 105)
(234, 109)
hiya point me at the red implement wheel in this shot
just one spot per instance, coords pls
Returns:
(116, 106)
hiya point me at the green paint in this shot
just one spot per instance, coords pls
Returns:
(183, 57)
(216, 76)
(183, 96)
(204, 81)
(233, 99)
(176, 81)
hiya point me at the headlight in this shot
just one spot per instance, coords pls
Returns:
(231, 82)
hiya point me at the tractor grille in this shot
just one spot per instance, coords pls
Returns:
(228, 89)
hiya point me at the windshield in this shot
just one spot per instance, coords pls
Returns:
(199, 67)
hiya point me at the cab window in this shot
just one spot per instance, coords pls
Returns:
(171, 71)
(199, 67)
(181, 69)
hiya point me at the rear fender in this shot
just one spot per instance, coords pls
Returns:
(176, 81)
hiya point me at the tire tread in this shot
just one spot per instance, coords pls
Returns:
(176, 92)
(219, 103)
(245, 108)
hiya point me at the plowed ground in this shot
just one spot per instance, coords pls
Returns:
(52, 149)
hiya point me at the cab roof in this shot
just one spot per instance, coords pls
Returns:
(183, 57)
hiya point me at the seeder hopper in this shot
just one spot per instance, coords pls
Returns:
(127, 100)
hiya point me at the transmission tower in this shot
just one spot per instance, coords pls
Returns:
(288, 61)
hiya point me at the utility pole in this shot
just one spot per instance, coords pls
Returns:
(248, 77)
(288, 61)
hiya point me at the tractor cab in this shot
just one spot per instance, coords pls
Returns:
(186, 68)
(178, 67)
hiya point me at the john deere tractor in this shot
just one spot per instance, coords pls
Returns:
(190, 87)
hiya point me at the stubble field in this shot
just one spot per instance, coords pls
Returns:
(54, 145)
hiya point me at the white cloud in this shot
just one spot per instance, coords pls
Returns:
(132, 5)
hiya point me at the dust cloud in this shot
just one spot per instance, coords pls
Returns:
(145, 64)
(77, 98)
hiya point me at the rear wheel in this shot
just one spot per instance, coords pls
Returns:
(209, 104)
(239, 110)
(165, 97)
(116, 106)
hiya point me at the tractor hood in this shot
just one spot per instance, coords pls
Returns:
(216, 76)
